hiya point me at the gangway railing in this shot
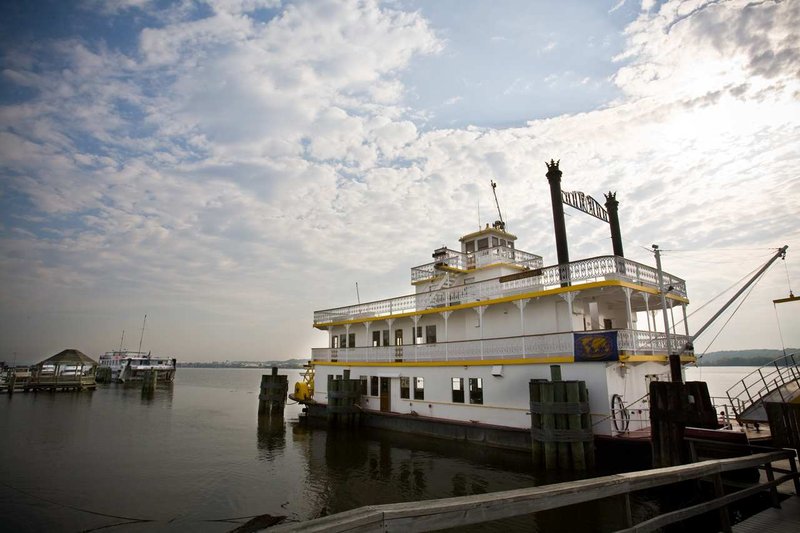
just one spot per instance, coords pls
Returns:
(762, 382)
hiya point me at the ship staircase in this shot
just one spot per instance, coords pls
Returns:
(775, 382)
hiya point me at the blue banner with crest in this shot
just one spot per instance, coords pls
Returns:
(596, 346)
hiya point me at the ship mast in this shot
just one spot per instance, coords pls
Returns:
(121, 340)
(142, 335)
(502, 225)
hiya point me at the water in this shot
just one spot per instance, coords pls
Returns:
(195, 455)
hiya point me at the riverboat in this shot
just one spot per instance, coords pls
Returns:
(126, 366)
(487, 319)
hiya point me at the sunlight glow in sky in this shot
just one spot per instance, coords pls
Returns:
(230, 166)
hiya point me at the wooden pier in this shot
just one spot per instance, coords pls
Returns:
(466, 510)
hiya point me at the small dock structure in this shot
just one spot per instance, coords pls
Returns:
(69, 369)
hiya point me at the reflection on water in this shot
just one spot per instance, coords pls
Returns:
(271, 437)
(191, 455)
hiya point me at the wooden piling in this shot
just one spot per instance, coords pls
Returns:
(559, 399)
(344, 396)
(561, 431)
(273, 393)
(149, 380)
(574, 423)
(537, 448)
(548, 425)
(103, 374)
(673, 406)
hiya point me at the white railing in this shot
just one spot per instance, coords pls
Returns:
(650, 342)
(576, 273)
(518, 347)
(763, 381)
(465, 261)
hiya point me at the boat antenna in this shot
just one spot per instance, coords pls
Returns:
(357, 294)
(499, 224)
(142, 336)
(121, 340)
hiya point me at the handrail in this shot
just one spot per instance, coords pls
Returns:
(465, 510)
(577, 272)
(786, 370)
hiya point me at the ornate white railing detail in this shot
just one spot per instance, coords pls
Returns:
(649, 342)
(576, 273)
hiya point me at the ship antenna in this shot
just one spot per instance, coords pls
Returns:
(142, 336)
(121, 340)
(499, 223)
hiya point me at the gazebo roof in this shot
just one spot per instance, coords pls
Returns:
(70, 356)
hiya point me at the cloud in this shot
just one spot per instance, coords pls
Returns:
(235, 170)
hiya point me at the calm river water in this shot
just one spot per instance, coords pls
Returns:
(195, 455)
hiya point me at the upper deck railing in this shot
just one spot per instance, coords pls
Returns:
(576, 273)
(481, 258)
(533, 347)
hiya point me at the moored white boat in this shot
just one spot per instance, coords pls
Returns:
(129, 366)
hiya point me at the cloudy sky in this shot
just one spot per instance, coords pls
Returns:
(230, 166)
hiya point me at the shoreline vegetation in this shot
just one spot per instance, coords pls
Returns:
(759, 357)
(289, 363)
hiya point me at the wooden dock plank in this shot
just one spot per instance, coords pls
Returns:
(787, 518)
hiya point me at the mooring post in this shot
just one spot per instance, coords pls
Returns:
(274, 389)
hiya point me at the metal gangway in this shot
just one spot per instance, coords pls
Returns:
(777, 381)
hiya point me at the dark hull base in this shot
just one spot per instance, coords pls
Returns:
(612, 454)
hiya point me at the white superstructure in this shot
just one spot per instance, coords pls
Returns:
(487, 318)
(130, 366)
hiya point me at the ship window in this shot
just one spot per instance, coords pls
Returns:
(419, 388)
(398, 337)
(373, 385)
(483, 243)
(476, 390)
(458, 390)
(502, 242)
(495, 241)
(405, 385)
(351, 340)
(386, 337)
(430, 334)
(418, 337)
(469, 247)
(376, 338)
(607, 323)
(363, 385)
(343, 340)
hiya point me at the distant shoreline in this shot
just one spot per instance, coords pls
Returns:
(295, 364)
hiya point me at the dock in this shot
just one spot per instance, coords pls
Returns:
(68, 370)
(786, 519)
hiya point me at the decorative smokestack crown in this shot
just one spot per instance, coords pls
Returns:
(552, 169)
(611, 199)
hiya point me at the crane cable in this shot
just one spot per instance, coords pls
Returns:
(744, 298)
